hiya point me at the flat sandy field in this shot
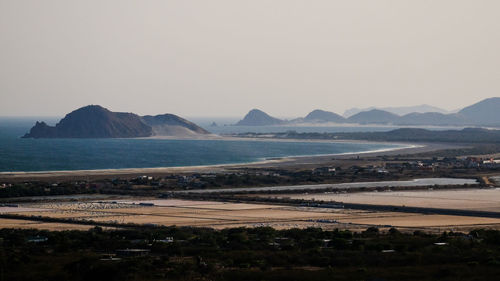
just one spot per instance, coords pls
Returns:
(463, 199)
(27, 224)
(225, 215)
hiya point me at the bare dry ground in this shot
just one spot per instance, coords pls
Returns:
(225, 215)
(27, 224)
(463, 199)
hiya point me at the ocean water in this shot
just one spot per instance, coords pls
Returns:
(17, 154)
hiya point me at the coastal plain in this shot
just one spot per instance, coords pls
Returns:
(220, 215)
(115, 211)
(460, 199)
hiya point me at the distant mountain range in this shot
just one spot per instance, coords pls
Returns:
(95, 121)
(402, 110)
(483, 113)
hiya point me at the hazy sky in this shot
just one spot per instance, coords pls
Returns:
(222, 58)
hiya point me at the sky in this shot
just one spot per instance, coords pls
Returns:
(225, 57)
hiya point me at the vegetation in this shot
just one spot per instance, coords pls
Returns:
(382, 168)
(467, 135)
(248, 254)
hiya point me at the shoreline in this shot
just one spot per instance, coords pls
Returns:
(258, 161)
(272, 162)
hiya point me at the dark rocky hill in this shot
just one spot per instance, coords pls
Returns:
(95, 121)
(259, 118)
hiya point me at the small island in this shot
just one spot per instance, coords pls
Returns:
(95, 121)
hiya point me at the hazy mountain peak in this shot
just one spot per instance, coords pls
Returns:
(256, 117)
(319, 115)
(485, 112)
(374, 116)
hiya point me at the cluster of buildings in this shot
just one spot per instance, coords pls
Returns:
(446, 162)
(433, 164)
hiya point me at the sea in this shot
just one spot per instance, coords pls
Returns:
(28, 155)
